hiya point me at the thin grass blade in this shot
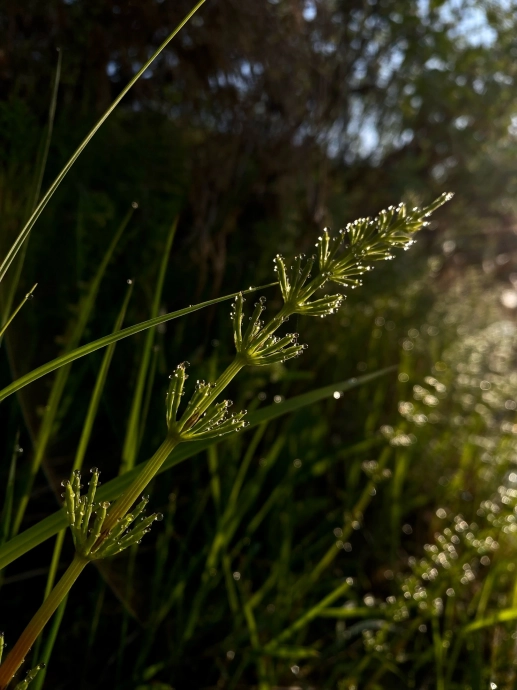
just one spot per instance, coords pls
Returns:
(132, 439)
(27, 297)
(87, 349)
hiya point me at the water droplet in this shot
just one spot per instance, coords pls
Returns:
(129, 281)
(159, 517)
(29, 296)
(94, 470)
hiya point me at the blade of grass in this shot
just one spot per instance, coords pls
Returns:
(503, 616)
(228, 525)
(345, 612)
(48, 422)
(132, 439)
(37, 186)
(87, 349)
(49, 526)
(215, 481)
(99, 386)
(7, 510)
(306, 617)
(438, 654)
(306, 581)
(27, 297)
(148, 393)
(4, 266)
(261, 664)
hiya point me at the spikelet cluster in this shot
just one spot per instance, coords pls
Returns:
(86, 519)
(257, 344)
(196, 422)
(345, 257)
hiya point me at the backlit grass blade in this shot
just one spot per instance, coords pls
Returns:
(4, 266)
(49, 526)
(47, 427)
(132, 439)
(87, 349)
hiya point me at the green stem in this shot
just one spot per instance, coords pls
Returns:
(226, 377)
(20, 650)
(124, 503)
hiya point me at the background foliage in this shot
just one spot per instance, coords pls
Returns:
(262, 122)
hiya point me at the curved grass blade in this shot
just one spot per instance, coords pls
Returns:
(87, 349)
(51, 525)
(132, 439)
(4, 266)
